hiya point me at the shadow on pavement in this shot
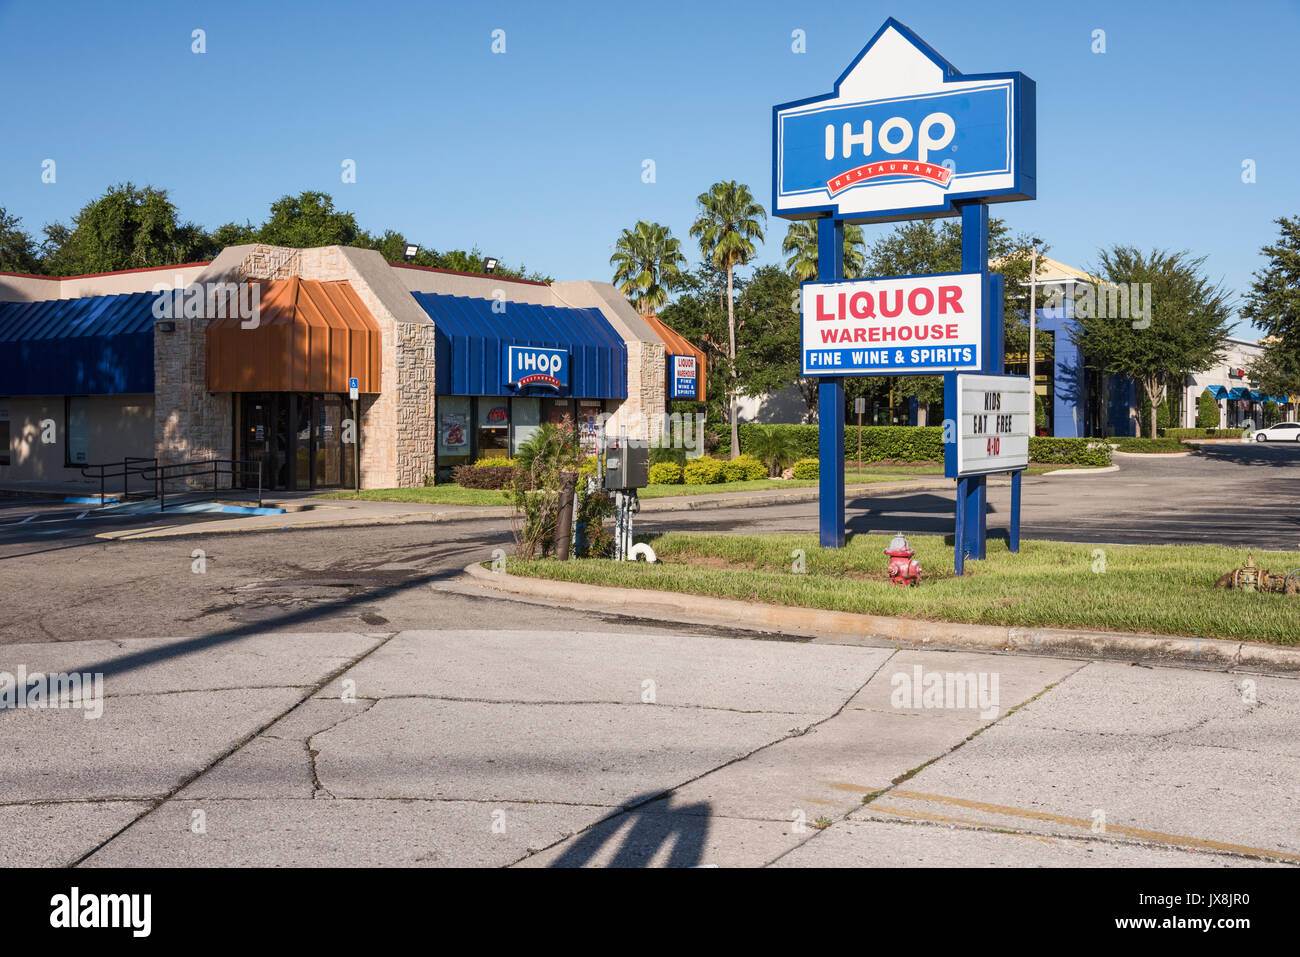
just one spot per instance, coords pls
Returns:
(1276, 454)
(687, 827)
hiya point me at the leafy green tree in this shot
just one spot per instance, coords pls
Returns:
(1207, 411)
(727, 226)
(699, 314)
(800, 244)
(924, 248)
(767, 332)
(18, 251)
(1273, 302)
(309, 219)
(1187, 327)
(647, 261)
(126, 228)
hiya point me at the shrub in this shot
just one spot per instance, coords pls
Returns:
(1045, 450)
(1272, 414)
(1127, 443)
(494, 463)
(774, 447)
(590, 468)
(1203, 433)
(743, 468)
(665, 473)
(806, 469)
(483, 476)
(702, 471)
(1207, 411)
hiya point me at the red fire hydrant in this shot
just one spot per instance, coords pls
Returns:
(902, 570)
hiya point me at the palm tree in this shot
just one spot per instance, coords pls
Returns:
(727, 227)
(774, 448)
(647, 261)
(801, 242)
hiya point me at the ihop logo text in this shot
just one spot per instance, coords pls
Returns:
(938, 139)
(530, 366)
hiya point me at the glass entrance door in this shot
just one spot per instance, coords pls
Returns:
(296, 439)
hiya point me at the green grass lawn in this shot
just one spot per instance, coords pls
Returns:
(1165, 589)
(433, 495)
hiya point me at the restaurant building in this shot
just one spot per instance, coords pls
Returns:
(251, 356)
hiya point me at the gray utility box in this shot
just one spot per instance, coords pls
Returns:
(627, 466)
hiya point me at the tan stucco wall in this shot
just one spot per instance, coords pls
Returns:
(116, 426)
(31, 288)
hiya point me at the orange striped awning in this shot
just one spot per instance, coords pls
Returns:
(311, 337)
(678, 345)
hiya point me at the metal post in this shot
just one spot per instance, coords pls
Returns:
(860, 404)
(1015, 512)
(1033, 308)
(356, 447)
(959, 529)
(830, 403)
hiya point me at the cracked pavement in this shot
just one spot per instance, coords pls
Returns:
(481, 747)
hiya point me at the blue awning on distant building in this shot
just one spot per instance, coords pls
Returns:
(1218, 391)
(1239, 392)
(471, 336)
(97, 345)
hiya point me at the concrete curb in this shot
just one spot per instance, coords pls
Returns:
(1100, 471)
(845, 627)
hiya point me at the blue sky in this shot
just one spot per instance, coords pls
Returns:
(536, 155)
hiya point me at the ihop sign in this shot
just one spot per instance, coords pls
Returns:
(904, 135)
(533, 366)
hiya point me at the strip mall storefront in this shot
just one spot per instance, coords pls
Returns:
(503, 368)
(448, 368)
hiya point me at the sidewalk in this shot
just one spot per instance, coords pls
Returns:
(558, 748)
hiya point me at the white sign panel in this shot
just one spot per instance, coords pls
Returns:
(908, 325)
(995, 417)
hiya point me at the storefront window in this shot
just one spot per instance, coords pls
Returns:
(453, 429)
(526, 414)
(493, 427)
(589, 411)
(78, 430)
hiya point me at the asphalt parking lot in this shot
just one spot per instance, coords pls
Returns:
(1239, 495)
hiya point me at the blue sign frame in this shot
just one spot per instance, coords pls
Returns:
(682, 387)
(537, 367)
(1022, 146)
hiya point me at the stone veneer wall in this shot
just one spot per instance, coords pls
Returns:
(645, 389)
(189, 422)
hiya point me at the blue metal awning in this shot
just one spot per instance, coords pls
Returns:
(1218, 391)
(1239, 392)
(470, 341)
(97, 345)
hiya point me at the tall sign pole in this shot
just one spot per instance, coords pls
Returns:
(830, 403)
(905, 135)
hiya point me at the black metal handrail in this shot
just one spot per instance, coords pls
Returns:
(131, 465)
(162, 474)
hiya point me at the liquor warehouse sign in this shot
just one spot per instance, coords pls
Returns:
(913, 324)
(684, 377)
(994, 418)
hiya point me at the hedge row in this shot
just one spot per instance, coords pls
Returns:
(1047, 450)
(901, 443)
(908, 443)
(1202, 433)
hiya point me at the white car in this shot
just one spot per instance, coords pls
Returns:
(1282, 432)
